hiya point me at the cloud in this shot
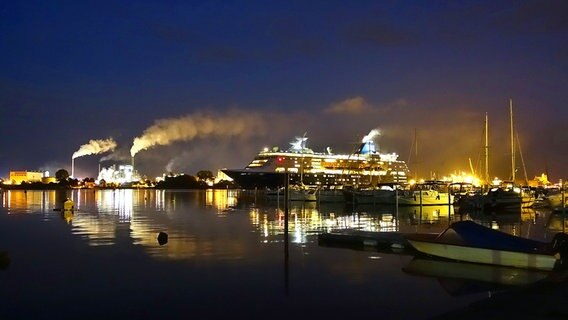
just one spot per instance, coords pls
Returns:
(359, 106)
(356, 105)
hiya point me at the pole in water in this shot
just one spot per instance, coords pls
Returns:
(449, 204)
(396, 206)
(420, 192)
(563, 186)
(286, 254)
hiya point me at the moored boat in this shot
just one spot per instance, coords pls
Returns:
(295, 193)
(430, 193)
(505, 197)
(382, 193)
(330, 194)
(557, 200)
(470, 242)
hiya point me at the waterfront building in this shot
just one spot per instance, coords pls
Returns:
(17, 177)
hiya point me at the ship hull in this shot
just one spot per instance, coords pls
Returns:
(248, 179)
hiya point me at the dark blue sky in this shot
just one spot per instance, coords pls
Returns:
(72, 71)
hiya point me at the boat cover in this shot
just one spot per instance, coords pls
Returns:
(476, 235)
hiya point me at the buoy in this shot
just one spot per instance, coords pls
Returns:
(162, 238)
(68, 205)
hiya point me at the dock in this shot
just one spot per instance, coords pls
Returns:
(391, 242)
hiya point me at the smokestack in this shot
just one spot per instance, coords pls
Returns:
(72, 167)
(132, 163)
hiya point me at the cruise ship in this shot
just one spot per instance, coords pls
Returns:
(365, 167)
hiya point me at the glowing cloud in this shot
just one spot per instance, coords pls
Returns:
(355, 105)
(168, 131)
(95, 147)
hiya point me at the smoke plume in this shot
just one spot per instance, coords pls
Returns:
(168, 131)
(95, 147)
(371, 135)
(121, 155)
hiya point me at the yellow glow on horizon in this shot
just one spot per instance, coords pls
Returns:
(496, 181)
(464, 177)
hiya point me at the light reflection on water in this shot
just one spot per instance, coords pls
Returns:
(103, 217)
(233, 240)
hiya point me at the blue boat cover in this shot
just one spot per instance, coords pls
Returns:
(476, 235)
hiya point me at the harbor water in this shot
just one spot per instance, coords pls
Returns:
(226, 256)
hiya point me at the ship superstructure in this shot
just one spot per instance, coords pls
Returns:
(364, 167)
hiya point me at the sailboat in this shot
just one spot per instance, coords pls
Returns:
(509, 195)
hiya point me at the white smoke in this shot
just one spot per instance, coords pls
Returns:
(168, 131)
(371, 135)
(116, 156)
(176, 164)
(95, 147)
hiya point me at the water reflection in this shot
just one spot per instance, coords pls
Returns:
(459, 278)
(191, 219)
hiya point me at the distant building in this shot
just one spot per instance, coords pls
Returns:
(222, 176)
(48, 180)
(17, 177)
(539, 181)
(120, 175)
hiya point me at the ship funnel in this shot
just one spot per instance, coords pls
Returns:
(367, 148)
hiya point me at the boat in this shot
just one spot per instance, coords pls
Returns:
(366, 166)
(557, 200)
(382, 193)
(507, 196)
(429, 193)
(330, 194)
(295, 193)
(471, 242)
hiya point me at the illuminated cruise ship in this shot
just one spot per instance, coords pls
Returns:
(365, 167)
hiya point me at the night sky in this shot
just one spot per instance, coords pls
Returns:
(227, 78)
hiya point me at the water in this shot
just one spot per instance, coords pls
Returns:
(225, 257)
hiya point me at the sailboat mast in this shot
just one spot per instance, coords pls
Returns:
(512, 141)
(416, 154)
(486, 149)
